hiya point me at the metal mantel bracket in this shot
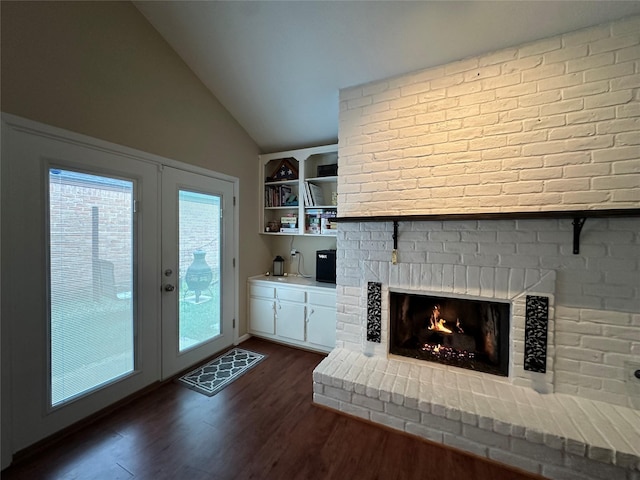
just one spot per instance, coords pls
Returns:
(578, 223)
(394, 253)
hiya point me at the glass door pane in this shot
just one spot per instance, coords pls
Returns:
(90, 282)
(199, 257)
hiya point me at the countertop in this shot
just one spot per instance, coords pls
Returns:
(293, 279)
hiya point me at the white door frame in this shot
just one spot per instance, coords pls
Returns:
(18, 132)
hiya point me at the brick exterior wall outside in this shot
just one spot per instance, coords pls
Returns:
(201, 224)
(71, 204)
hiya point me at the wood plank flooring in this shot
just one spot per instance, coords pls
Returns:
(263, 426)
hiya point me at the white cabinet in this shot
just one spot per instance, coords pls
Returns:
(321, 317)
(290, 311)
(293, 310)
(262, 309)
(298, 191)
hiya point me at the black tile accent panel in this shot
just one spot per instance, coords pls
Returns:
(374, 312)
(535, 334)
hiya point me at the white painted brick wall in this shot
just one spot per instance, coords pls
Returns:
(595, 316)
(421, 270)
(550, 125)
(553, 124)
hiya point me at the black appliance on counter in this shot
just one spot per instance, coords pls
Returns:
(326, 266)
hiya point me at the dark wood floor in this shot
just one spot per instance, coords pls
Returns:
(263, 426)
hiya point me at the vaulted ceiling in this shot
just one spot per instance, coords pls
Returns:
(278, 66)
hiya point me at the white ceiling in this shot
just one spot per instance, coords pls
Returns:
(278, 66)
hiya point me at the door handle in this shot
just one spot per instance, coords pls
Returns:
(169, 288)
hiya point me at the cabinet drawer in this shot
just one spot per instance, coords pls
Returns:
(261, 291)
(324, 299)
(290, 294)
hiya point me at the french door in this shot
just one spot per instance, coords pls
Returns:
(117, 272)
(197, 268)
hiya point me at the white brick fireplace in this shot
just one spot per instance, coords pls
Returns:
(548, 126)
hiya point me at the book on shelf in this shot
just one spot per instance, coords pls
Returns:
(317, 195)
(313, 230)
(289, 224)
(306, 195)
(285, 191)
(290, 221)
(279, 196)
(328, 224)
(320, 221)
(313, 195)
(313, 221)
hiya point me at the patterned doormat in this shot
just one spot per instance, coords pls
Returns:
(212, 377)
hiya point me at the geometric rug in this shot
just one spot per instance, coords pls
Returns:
(212, 377)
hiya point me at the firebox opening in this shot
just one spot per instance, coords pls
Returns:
(472, 334)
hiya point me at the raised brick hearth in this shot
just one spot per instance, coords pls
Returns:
(560, 436)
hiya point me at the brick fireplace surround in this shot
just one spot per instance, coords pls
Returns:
(547, 126)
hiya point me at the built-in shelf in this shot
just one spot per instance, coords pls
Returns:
(291, 192)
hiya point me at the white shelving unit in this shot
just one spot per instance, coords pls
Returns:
(285, 198)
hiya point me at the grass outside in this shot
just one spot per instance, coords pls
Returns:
(199, 321)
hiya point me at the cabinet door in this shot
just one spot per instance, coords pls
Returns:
(321, 325)
(261, 315)
(290, 320)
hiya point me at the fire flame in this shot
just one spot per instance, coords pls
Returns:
(439, 327)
